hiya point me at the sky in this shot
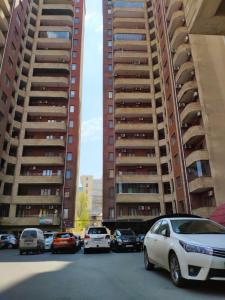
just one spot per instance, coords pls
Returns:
(91, 113)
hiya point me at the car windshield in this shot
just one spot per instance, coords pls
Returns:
(4, 237)
(48, 235)
(63, 235)
(100, 230)
(126, 232)
(29, 234)
(196, 227)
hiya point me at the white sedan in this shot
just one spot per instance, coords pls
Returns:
(189, 248)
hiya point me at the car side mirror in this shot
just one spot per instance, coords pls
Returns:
(166, 232)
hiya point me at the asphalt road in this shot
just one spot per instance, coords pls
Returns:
(92, 277)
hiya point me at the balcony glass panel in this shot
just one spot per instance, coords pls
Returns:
(129, 37)
(55, 34)
(129, 4)
(137, 188)
(199, 169)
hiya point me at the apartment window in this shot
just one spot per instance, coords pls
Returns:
(74, 67)
(65, 213)
(110, 81)
(110, 95)
(109, 55)
(76, 20)
(112, 213)
(68, 174)
(109, 11)
(111, 173)
(75, 42)
(72, 94)
(73, 80)
(109, 32)
(178, 181)
(75, 31)
(111, 140)
(70, 139)
(109, 43)
(77, 1)
(69, 156)
(110, 124)
(71, 124)
(111, 192)
(67, 193)
(110, 68)
(110, 109)
(74, 54)
(77, 10)
(72, 108)
(111, 156)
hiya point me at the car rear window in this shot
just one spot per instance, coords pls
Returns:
(29, 234)
(4, 237)
(100, 230)
(63, 235)
(126, 232)
(48, 235)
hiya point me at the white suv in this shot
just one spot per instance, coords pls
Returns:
(96, 238)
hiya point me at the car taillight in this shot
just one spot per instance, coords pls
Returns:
(87, 236)
(107, 236)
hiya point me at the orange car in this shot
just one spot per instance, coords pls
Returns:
(64, 241)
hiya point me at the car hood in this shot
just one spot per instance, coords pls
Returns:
(212, 240)
(128, 237)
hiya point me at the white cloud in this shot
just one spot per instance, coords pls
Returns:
(91, 130)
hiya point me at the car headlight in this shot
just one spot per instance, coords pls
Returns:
(196, 248)
(137, 240)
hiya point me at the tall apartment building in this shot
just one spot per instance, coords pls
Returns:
(40, 84)
(163, 108)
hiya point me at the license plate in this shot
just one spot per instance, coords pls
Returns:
(28, 241)
(129, 246)
(98, 239)
(63, 242)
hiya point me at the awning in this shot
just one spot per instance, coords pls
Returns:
(219, 215)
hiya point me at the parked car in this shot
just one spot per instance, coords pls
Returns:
(64, 241)
(31, 239)
(79, 241)
(189, 248)
(125, 239)
(8, 241)
(96, 238)
(141, 237)
(48, 236)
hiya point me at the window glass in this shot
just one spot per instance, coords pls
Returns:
(155, 227)
(198, 226)
(97, 230)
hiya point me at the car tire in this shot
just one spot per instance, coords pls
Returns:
(148, 265)
(175, 272)
(21, 252)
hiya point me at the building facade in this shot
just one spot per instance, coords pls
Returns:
(40, 85)
(163, 106)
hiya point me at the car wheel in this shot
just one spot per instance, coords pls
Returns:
(148, 265)
(21, 252)
(175, 272)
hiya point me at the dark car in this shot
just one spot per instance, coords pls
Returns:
(125, 239)
(79, 241)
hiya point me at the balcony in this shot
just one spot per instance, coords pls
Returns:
(130, 45)
(174, 5)
(129, 23)
(134, 143)
(130, 57)
(42, 160)
(44, 142)
(135, 160)
(137, 178)
(27, 221)
(136, 198)
(52, 200)
(187, 92)
(195, 156)
(193, 135)
(134, 127)
(48, 94)
(128, 12)
(56, 111)
(45, 126)
(52, 56)
(201, 184)
(48, 43)
(185, 73)
(179, 37)
(133, 112)
(66, 8)
(176, 21)
(57, 67)
(131, 70)
(56, 20)
(191, 112)
(5, 6)
(42, 81)
(183, 53)
(40, 179)
(133, 97)
(131, 83)
(4, 25)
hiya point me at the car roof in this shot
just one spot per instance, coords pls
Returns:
(183, 218)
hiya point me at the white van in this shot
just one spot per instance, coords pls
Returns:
(31, 239)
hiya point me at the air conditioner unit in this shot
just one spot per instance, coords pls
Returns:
(177, 68)
(141, 207)
(186, 39)
(210, 193)
(185, 125)
(178, 86)
(181, 105)
(199, 114)
(148, 207)
(173, 51)
(189, 54)
(195, 94)
(34, 168)
(51, 207)
(28, 207)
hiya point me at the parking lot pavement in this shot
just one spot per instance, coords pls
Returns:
(92, 277)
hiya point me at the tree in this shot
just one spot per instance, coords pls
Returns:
(82, 215)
